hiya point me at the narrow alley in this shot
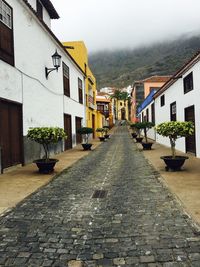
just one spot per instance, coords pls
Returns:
(109, 209)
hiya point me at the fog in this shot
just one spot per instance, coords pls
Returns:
(117, 24)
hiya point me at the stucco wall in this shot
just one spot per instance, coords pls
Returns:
(148, 85)
(43, 101)
(175, 93)
(151, 133)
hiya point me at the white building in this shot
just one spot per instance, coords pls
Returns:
(147, 113)
(27, 97)
(178, 100)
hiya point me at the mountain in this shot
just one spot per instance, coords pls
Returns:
(122, 67)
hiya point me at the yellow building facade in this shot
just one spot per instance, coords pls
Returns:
(78, 51)
(122, 110)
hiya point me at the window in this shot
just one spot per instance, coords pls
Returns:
(162, 100)
(6, 33)
(188, 83)
(100, 107)
(142, 116)
(80, 90)
(5, 14)
(39, 10)
(173, 111)
(85, 66)
(153, 113)
(120, 103)
(147, 115)
(94, 98)
(66, 84)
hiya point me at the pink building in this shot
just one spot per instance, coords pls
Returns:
(141, 90)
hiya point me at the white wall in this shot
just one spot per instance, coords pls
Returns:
(151, 132)
(43, 101)
(175, 93)
(11, 83)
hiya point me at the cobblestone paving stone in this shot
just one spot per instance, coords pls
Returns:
(138, 223)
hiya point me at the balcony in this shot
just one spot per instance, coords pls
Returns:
(91, 103)
(104, 112)
(92, 106)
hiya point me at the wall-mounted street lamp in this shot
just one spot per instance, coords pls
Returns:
(56, 58)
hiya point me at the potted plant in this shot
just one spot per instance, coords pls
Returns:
(46, 136)
(101, 131)
(106, 129)
(85, 131)
(138, 126)
(134, 130)
(175, 130)
(146, 126)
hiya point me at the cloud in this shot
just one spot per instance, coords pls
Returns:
(115, 24)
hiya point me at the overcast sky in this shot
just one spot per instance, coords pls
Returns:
(110, 24)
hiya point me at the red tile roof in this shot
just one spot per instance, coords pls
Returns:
(157, 79)
(189, 64)
(101, 94)
(103, 100)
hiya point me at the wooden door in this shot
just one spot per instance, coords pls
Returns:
(93, 125)
(123, 114)
(68, 130)
(78, 126)
(11, 135)
(190, 141)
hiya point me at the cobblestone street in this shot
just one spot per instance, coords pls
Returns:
(135, 222)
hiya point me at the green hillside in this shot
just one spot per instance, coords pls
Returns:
(120, 68)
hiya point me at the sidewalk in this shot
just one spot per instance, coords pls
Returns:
(19, 182)
(184, 184)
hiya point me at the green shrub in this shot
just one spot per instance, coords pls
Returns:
(85, 131)
(175, 130)
(46, 136)
(106, 129)
(101, 131)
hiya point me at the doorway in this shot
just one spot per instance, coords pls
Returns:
(190, 141)
(11, 133)
(78, 126)
(93, 125)
(68, 130)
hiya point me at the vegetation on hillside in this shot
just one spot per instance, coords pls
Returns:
(121, 68)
